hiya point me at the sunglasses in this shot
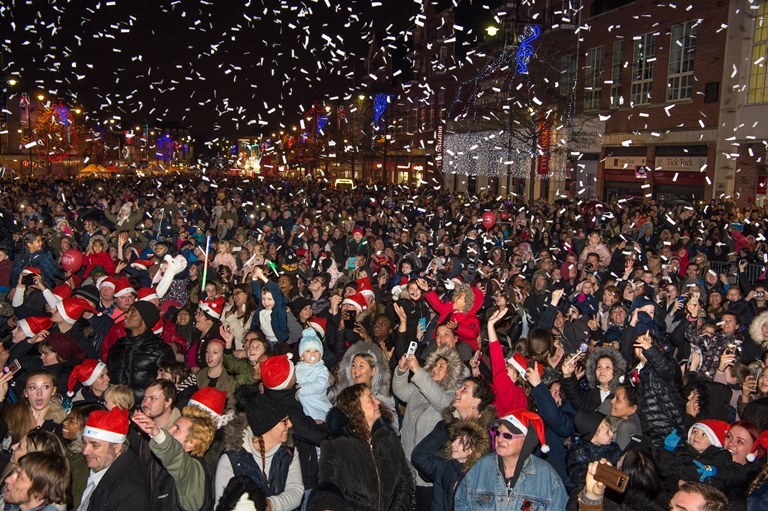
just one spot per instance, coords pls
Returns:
(503, 434)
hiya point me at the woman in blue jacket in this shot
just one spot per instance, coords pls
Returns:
(271, 316)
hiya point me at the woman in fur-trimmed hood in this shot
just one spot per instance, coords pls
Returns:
(758, 329)
(604, 367)
(430, 390)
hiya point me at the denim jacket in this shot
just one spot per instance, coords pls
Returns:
(538, 488)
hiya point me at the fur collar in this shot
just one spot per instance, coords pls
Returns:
(455, 366)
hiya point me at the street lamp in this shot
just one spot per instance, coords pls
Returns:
(40, 97)
(12, 81)
(491, 30)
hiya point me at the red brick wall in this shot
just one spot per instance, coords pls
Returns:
(747, 169)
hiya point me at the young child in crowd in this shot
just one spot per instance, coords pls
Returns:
(596, 442)
(312, 376)
(96, 256)
(224, 257)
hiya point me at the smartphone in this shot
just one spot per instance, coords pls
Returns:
(695, 299)
(351, 263)
(349, 323)
(412, 349)
(14, 367)
(613, 478)
(422, 324)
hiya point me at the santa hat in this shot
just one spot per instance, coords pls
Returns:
(105, 282)
(111, 426)
(141, 264)
(147, 293)
(85, 373)
(72, 309)
(357, 230)
(357, 300)
(62, 291)
(520, 363)
(31, 270)
(213, 401)
(157, 329)
(364, 287)
(123, 287)
(760, 446)
(214, 308)
(33, 325)
(318, 324)
(715, 430)
(521, 420)
(277, 371)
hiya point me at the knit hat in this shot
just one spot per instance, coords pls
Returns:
(111, 426)
(90, 293)
(85, 373)
(358, 301)
(33, 325)
(521, 420)
(148, 312)
(587, 304)
(520, 363)
(263, 413)
(318, 324)
(72, 309)
(310, 340)
(357, 230)
(65, 347)
(298, 304)
(146, 294)
(123, 287)
(213, 308)
(364, 287)
(277, 371)
(587, 422)
(714, 429)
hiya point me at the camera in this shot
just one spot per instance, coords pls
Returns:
(590, 267)
(760, 294)
(28, 280)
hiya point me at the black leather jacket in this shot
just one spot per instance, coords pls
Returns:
(133, 361)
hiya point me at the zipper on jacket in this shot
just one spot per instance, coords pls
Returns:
(378, 476)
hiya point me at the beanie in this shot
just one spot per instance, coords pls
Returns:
(148, 312)
(587, 422)
(277, 371)
(263, 413)
(310, 340)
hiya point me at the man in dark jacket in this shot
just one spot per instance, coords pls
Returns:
(117, 479)
(134, 359)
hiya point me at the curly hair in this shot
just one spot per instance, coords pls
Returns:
(348, 402)
(469, 296)
(201, 430)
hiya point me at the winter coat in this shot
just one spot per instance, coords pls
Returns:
(558, 427)
(679, 465)
(468, 328)
(51, 272)
(98, 259)
(426, 398)
(133, 361)
(285, 487)
(431, 458)
(184, 483)
(124, 487)
(590, 400)
(660, 406)
(279, 316)
(313, 381)
(224, 382)
(372, 476)
(509, 395)
(585, 453)
(380, 383)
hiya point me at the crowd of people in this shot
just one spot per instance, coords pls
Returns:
(201, 342)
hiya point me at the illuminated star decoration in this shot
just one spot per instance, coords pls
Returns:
(525, 48)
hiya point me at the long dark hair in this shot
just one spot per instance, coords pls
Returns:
(250, 303)
(348, 402)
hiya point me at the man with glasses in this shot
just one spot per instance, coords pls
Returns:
(512, 477)
(318, 294)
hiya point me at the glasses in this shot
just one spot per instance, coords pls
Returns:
(505, 435)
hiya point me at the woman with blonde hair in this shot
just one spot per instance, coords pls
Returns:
(40, 408)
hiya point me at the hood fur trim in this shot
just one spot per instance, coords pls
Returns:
(479, 436)
(486, 417)
(455, 366)
(756, 327)
(233, 432)
(381, 380)
(619, 365)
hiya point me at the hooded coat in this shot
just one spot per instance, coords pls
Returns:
(590, 400)
(381, 378)
(372, 475)
(468, 328)
(426, 398)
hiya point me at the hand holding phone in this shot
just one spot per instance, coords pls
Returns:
(13, 368)
(412, 349)
(611, 477)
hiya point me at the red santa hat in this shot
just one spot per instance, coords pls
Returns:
(33, 325)
(157, 329)
(141, 264)
(715, 431)
(31, 270)
(214, 308)
(211, 400)
(105, 282)
(72, 309)
(760, 447)
(520, 363)
(357, 300)
(123, 287)
(85, 373)
(146, 294)
(357, 230)
(521, 420)
(277, 371)
(62, 291)
(111, 426)
(319, 324)
(364, 287)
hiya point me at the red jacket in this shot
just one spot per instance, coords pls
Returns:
(469, 326)
(100, 259)
(509, 396)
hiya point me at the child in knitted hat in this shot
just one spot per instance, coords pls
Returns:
(596, 442)
(312, 376)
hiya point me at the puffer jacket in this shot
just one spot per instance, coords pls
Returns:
(660, 406)
(133, 361)
(426, 398)
(679, 466)
(585, 453)
(381, 379)
(372, 476)
(582, 399)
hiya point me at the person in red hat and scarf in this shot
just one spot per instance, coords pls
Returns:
(460, 312)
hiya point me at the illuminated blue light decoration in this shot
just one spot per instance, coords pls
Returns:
(63, 114)
(322, 122)
(525, 49)
(380, 102)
